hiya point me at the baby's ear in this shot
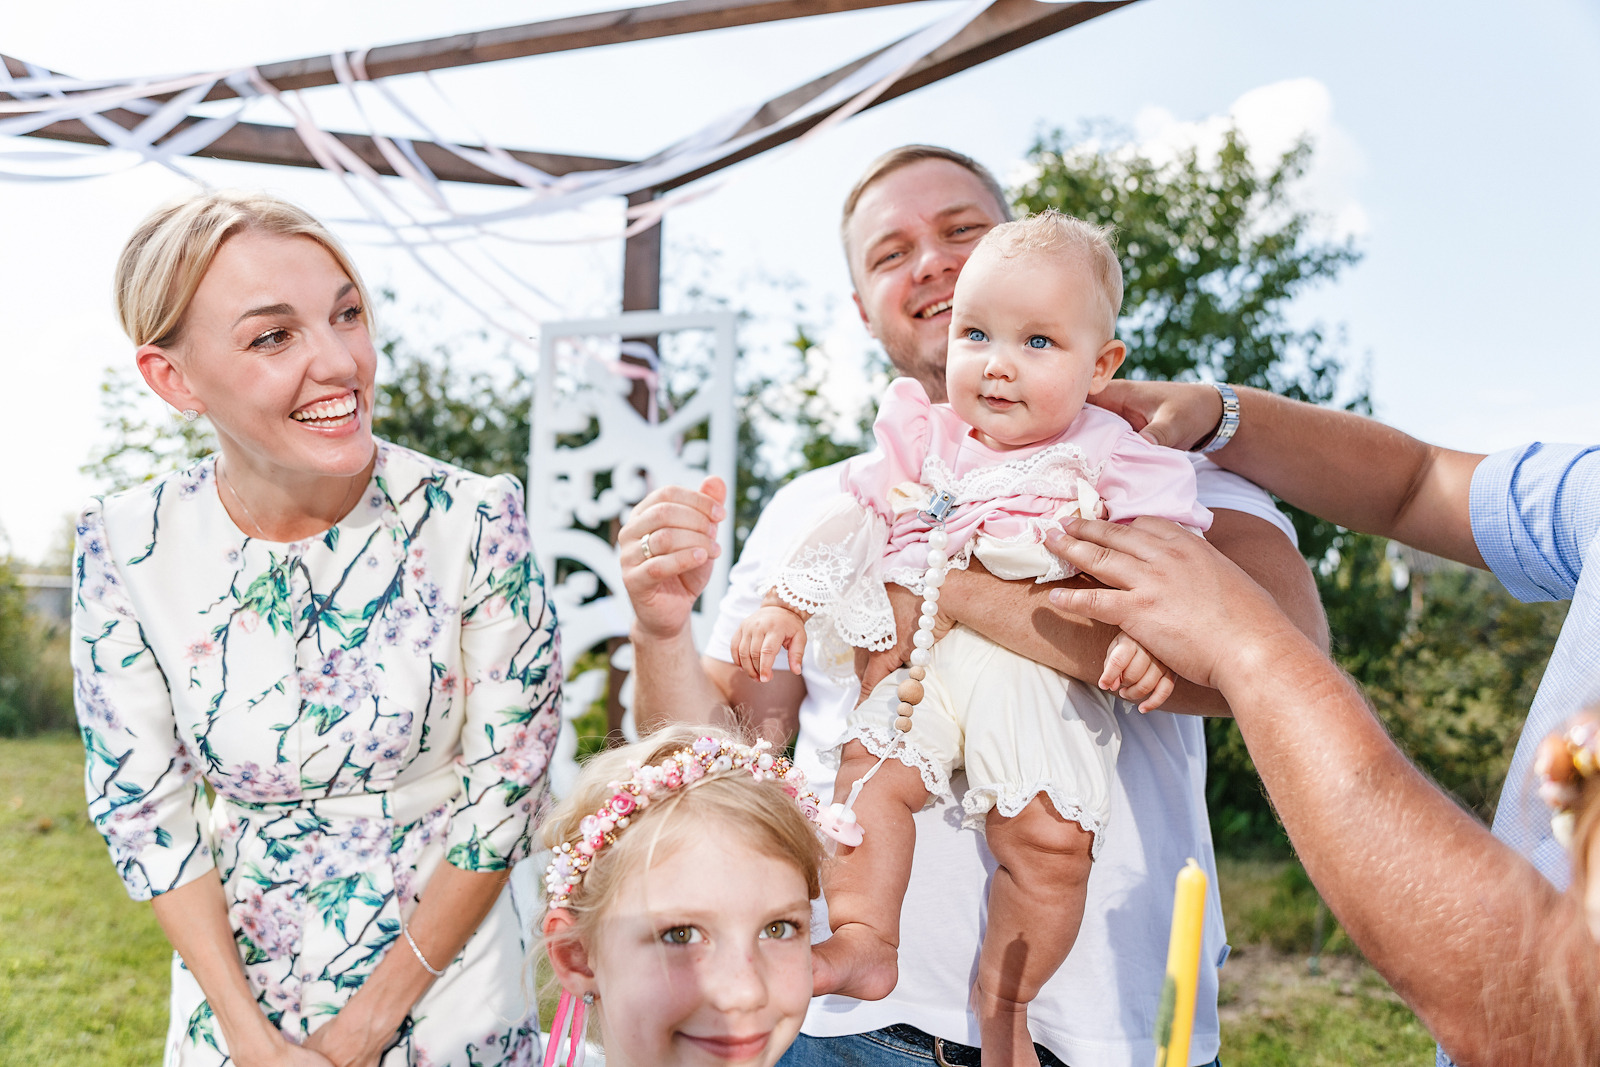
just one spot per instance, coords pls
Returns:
(1106, 363)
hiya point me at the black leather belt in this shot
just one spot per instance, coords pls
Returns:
(953, 1053)
(945, 1053)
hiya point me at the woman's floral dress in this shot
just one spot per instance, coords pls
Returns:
(362, 704)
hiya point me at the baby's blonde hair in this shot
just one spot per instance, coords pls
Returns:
(1051, 233)
(729, 803)
(168, 255)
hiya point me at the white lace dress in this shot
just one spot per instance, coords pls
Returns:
(1018, 728)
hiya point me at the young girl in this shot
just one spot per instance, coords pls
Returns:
(679, 903)
(1014, 453)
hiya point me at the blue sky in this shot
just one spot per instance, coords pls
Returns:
(1458, 143)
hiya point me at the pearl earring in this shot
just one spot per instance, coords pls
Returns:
(189, 414)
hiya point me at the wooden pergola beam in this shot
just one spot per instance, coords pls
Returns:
(250, 142)
(1004, 27)
(555, 35)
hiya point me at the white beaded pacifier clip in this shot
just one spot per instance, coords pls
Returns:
(839, 820)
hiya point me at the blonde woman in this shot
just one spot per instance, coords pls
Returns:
(346, 641)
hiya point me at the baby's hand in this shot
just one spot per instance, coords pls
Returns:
(1136, 675)
(767, 629)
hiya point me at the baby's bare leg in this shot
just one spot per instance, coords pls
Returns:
(866, 885)
(1035, 908)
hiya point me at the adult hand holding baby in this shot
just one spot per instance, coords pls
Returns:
(1180, 598)
(1435, 902)
(1174, 414)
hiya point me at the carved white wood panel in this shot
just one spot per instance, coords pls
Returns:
(579, 389)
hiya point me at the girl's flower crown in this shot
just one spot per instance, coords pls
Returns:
(1563, 761)
(708, 755)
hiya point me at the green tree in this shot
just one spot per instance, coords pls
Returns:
(144, 444)
(1455, 687)
(475, 419)
(35, 677)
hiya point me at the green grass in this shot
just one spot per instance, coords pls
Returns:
(1275, 1011)
(83, 969)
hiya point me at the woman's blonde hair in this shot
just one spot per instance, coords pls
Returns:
(164, 261)
(729, 803)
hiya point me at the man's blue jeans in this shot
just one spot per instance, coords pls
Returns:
(881, 1048)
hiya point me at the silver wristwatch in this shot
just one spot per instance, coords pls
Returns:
(1229, 423)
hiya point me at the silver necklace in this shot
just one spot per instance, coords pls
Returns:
(355, 486)
(221, 477)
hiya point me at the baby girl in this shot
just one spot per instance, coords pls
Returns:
(1014, 454)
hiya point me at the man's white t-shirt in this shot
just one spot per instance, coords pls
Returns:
(1100, 1007)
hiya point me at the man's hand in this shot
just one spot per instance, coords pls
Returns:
(756, 643)
(680, 528)
(874, 667)
(1175, 414)
(1135, 675)
(1172, 592)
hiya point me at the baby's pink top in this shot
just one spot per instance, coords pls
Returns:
(1007, 493)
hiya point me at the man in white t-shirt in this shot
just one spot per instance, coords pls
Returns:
(909, 225)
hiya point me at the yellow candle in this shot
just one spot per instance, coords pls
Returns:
(1175, 1019)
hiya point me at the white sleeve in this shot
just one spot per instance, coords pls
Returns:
(1220, 489)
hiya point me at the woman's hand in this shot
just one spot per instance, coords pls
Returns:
(1171, 592)
(337, 1046)
(681, 527)
(298, 1056)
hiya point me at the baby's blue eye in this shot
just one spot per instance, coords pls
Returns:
(975, 334)
(1038, 342)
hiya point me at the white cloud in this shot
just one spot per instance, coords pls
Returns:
(1271, 119)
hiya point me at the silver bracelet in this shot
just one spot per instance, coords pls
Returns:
(417, 951)
(1226, 426)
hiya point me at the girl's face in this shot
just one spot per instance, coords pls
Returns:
(706, 960)
(1027, 347)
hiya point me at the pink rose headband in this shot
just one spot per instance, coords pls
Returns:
(1563, 761)
(708, 755)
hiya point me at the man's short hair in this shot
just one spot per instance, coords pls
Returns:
(1052, 233)
(904, 156)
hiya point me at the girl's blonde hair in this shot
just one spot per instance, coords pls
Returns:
(164, 261)
(728, 803)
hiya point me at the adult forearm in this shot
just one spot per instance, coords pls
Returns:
(1356, 472)
(452, 907)
(669, 683)
(1020, 616)
(1493, 959)
(1477, 942)
(195, 919)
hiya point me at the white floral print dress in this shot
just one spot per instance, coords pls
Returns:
(363, 705)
